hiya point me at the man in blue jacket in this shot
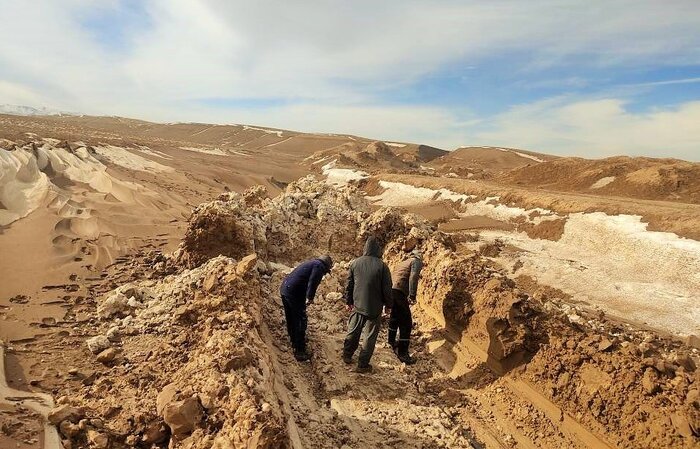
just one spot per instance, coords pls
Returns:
(298, 290)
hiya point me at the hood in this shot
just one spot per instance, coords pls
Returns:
(372, 247)
(327, 261)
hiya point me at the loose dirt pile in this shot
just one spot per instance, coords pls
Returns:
(199, 358)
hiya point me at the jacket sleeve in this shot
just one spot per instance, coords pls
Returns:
(416, 267)
(386, 288)
(314, 280)
(350, 287)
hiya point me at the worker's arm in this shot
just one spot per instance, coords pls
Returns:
(416, 267)
(314, 280)
(388, 300)
(350, 287)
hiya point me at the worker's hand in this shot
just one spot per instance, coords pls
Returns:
(309, 301)
(412, 300)
(387, 312)
(350, 307)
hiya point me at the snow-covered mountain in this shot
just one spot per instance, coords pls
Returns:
(29, 110)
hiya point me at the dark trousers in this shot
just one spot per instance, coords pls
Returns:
(295, 315)
(400, 322)
(367, 329)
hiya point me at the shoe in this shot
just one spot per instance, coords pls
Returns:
(302, 356)
(407, 359)
(347, 359)
(363, 369)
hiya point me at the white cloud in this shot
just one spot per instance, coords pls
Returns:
(597, 128)
(332, 59)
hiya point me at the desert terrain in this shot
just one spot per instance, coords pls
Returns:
(559, 306)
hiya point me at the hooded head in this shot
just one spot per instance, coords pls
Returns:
(372, 247)
(327, 261)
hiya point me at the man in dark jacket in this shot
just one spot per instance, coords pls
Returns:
(298, 290)
(405, 285)
(368, 290)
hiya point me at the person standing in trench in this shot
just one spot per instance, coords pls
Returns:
(404, 290)
(368, 291)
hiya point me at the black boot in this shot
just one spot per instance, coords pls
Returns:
(402, 352)
(302, 356)
(392, 339)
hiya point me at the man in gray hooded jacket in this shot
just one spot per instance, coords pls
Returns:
(367, 292)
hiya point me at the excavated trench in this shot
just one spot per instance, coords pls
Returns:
(197, 356)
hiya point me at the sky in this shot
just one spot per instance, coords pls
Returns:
(588, 78)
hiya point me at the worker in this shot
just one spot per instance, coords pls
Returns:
(368, 291)
(404, 287)
(298, 291)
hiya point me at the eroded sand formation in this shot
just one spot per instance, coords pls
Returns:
(196, 356)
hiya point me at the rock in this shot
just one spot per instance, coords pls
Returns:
(107, 356)
(693, 397)
(605, 344)
(650, 381)
(246, 264)
(155, 433)
(98, 344)
(211, 282)
(682, 426)
(97, 439)
(693, 341)
(165, 396)
(65, 412)
(686, 362)
(113, 334)
(68, 429)
(240, 359)
(183, 416)
(207, 401)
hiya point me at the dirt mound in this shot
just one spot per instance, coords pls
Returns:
(194, 361)
(417, 153)
(309, 218)
(375, 156)
(634, 177)
(485, 162)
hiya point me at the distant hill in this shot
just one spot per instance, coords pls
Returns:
(374, 156)
(636, 177)
(485, 162)
(28, 110)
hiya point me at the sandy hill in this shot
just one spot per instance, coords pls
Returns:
(370, 157)
(483, 162)
(411, 152)
(634, 177)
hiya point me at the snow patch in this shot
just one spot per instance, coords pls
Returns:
(526, 156)
(265, 130)
(602, 182)
(341, 176)
(155, 153)
(396, 145)
(124, 158)
(614, 262)
(216, 151)
(399, 194)
(23, 187)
